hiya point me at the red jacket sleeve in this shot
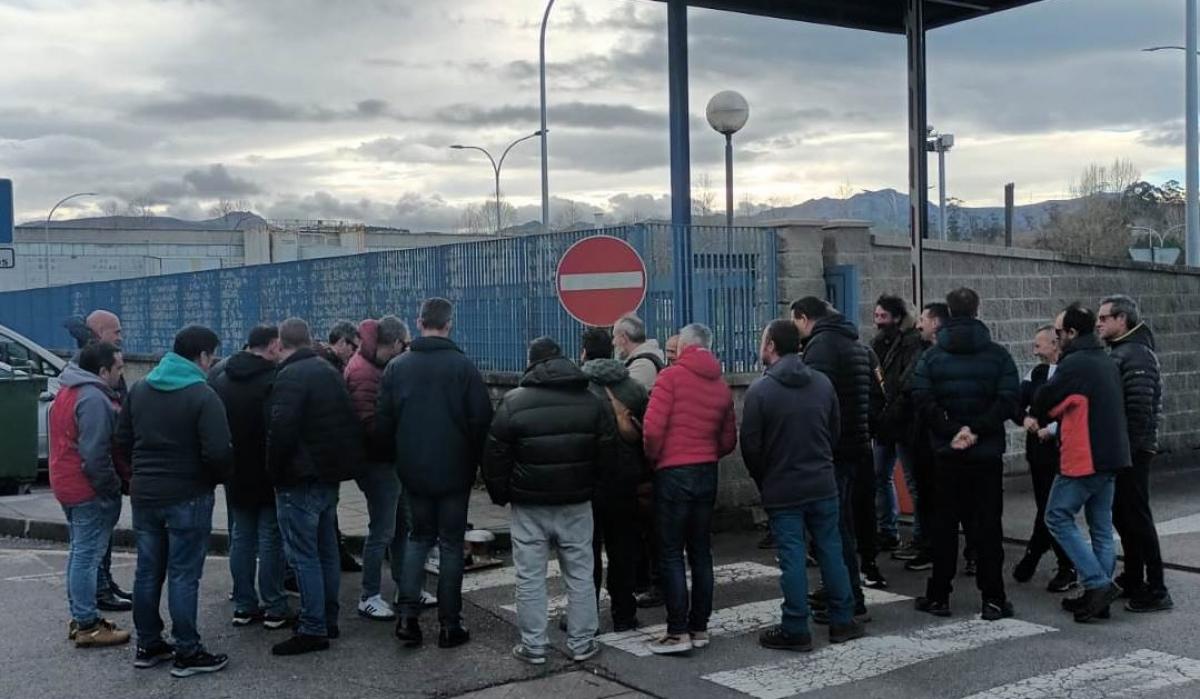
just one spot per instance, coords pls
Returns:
(658, 415)
(728, 431)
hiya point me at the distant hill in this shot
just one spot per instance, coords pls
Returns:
(235, 220)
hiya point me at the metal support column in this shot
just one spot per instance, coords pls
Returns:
(918, 172)
(681, 190)
(1192, 177)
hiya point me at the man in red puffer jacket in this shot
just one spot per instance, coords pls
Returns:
(689, 426)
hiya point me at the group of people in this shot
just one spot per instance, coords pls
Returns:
(613, 456)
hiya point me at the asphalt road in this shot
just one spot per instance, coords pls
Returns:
(1041, 653)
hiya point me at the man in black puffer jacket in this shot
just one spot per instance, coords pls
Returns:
(1131, 346)
(244, 382)
(831, 346)
(966, 387)
(314, 442)
(548, 441)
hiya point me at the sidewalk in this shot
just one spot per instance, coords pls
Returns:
(39, 516)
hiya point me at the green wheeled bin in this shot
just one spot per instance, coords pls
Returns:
(19, 394)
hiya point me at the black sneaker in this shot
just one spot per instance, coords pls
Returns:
(818, 598)
(118, 592)
(1064, 579)
(650, 598)
(1074, 604)
(275, 622)
(620, 626)
(247, 618)
(996, 610)
(1131, 589)
(778, 639)
(1093, 602)
(408, 629)
(923, 561)
(300, 644)
(453, 636)
(1151, 602)
(1025, 568)
(932, 606)
(158, 652)
(109, 602)
(872, 577)
(348, 563)
(848, 632)
(907, 552)
(200, 663)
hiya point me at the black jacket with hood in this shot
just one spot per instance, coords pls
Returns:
(620, 477)
(834, 349)
(1140, 376)
(549, 440)
(898, 351)
(244, 383)
(790, 424)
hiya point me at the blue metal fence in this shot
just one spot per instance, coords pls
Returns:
(503, 291)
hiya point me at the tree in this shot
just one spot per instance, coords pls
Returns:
(224, 207)
(705, 198)
(956, 228)
(568, 215)
(1095, 225)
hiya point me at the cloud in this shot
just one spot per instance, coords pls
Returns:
(207, 106)
(214, 182)
(573, 114)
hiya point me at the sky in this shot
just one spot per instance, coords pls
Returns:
(312, 109)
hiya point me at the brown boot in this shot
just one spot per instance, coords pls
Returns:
(104, 633)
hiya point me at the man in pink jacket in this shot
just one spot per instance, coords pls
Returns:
(689, 426)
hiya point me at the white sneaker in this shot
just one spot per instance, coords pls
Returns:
(668, 645)
(428, 599)
(376, 608)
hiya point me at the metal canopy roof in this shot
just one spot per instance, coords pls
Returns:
(873, 15)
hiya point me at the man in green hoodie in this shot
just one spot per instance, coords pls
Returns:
(173, 427)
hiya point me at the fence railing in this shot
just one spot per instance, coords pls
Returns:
(503, 291)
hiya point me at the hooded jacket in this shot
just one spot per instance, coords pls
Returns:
(690, 418)
(83, 420)
(965, 379)
(645, 363)
(620, 476)
(1140, 375)
(313, 435)
(790, 423)
(244, 383)
(434, 412)
(363, 375)
(174, 428)
(833, 348)
(549, 439)
(1084, 396)
(897, 351)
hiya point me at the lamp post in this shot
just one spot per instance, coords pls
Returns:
(727, 113)
(496, 165)
(545, 130)
(940, 143)
(46, 230)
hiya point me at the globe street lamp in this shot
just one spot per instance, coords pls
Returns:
(727, 113)
(496, 165)
(46, 231)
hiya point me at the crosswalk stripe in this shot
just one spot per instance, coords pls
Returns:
(722, 575)
(729, 621)
(869, 657)
(1120, 676)
(500, 577)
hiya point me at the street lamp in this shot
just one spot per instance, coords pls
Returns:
(545, 129)
(46, 230)
(496, 165)
(1192, 119)
(940, 143)
(727, 113)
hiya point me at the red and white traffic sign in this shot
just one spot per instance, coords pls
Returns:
(600, 279)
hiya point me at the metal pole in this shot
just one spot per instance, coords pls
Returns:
(918, 175)
(545, 145)
(681, 188)
(498, 224)
(941, 192)
(46, 229)
(1193, 141)
(729, 181)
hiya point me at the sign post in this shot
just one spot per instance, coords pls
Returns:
(600, 279)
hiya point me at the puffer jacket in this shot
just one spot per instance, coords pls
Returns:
(313, 435)
(966, 380)
(549, 439)
(1140, 375)
(834, 349)
(82, 421)
(244, 383)
(620, 477)
(363, 376)
(690, 418)
(897, 351)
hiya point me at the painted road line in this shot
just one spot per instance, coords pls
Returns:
(730, 621)
(1122, 676)
(869, 657)
(501, 577)
(722, 575)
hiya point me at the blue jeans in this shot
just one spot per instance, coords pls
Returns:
(1094, 494)
(381, 487)
(90, 526)
(444, 520)
(171, 544)
(255, 540)
(683, 506)
(820, 519)
(307, 521)
(887, 509)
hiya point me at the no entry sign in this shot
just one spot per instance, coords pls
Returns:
(600, 279)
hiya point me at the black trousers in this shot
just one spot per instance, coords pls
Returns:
(614, 530)
(1041, 541)
(923, 473)
(971, 494)
(845, 486)
(863, 493)
(1135, 523)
